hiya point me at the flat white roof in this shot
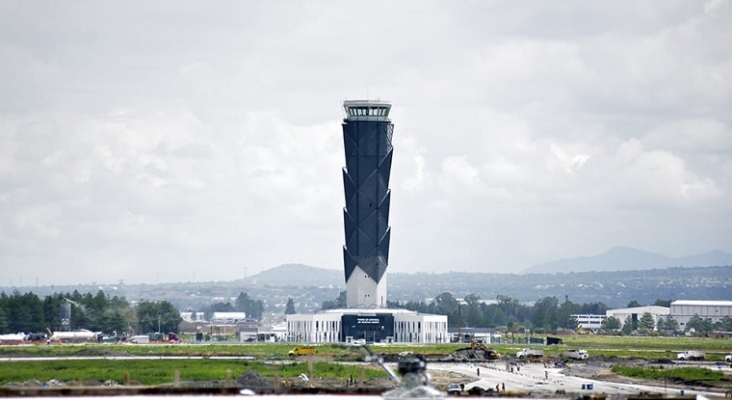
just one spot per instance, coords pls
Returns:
(227, 315)
(366, 103)
(640, 310)
(713, 303)
(367, 311)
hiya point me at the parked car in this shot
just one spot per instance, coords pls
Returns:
(454, 388)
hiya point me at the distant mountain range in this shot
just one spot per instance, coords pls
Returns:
(310, 286)
(298, 275)
(613, 278)
(627, 258)
(615, 259)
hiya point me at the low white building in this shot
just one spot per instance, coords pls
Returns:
(374, 325)
(228, 318)
(635, 313)
(192, 316)
(684, 310)
(589, 321)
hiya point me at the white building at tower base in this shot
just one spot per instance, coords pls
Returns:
(372, 325)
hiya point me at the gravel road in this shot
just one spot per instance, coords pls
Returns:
(533, 377)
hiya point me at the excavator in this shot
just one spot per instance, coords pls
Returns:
(488, 353)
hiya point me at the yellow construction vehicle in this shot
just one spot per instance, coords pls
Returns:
(488, 353)
(302, 351)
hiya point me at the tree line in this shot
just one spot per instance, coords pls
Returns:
(254, 309)
(545, 315)
(98, 312)
(101, 312)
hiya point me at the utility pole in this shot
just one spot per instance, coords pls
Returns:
(460, 317)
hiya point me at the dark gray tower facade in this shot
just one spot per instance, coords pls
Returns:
(367, 134)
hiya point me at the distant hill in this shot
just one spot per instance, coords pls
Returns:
(298, 275)
(627, 258)
(311, 286)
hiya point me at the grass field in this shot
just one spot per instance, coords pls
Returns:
(675, 375)
(160, 371)
(152, 372)
(607, 346)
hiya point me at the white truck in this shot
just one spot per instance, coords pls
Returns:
(140, 339)
(530, 354)
(728, 358)
(576, 354)
(691, 355)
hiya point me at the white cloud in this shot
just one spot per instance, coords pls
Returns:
(209, 140)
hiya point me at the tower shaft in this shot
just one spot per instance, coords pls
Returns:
(367, 137)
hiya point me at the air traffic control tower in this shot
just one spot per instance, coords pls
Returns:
(367, 133)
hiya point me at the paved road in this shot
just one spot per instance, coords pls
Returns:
(536, 378)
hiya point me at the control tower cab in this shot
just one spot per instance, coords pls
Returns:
(367, 110)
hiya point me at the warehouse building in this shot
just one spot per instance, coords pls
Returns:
(635, 313)
(684, 310)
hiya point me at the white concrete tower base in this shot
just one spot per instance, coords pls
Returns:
(362, 291)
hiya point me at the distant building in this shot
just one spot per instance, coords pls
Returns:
(589, 321)
(228, 318)
(192, 316)
(684, 310)
(635, 313)
(371, 325)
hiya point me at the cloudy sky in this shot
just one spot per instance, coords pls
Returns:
(173, 141)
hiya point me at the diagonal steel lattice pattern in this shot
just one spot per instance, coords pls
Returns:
(366, 183)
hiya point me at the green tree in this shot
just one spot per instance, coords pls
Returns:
(564, 314)
(545, 313)
(52, 311)
(647, 322)
(726, 324)
(627, 328)
(493, 315)
(662, 303)
(668, 325)
(702, 326)
(705, 327)
(445, 304)
(633, 304)
(340, 302)
(253, 308)
(117, 322)
(118, 315)
(3, 318)
(610, 324)
(158, 316)
(290, 307)
(593, 308)
(24, 313)
(473, 316)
